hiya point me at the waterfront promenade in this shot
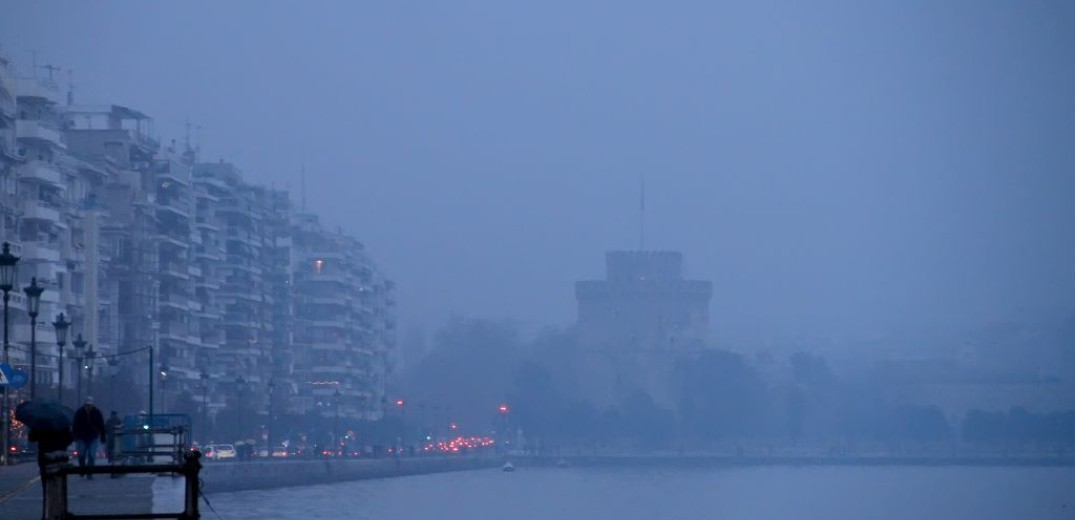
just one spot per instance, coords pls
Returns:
(20, 489)
(20, 493)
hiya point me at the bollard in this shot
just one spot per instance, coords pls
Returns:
(191, 467)
(54, 486)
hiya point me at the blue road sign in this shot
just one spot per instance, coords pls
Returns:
(12, 377)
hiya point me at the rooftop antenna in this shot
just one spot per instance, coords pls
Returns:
(642, 215)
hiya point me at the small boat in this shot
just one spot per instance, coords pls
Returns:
(508, 466)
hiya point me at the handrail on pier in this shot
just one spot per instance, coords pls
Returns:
(56, 468)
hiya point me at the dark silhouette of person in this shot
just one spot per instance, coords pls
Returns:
(112, 426)
(48, 441)
(89, 428)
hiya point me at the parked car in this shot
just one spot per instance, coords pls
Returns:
(219, 451)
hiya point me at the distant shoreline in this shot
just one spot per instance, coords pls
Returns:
(702, 461)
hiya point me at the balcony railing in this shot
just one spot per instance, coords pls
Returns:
(38, 130)
(41, 171)
(40, 210)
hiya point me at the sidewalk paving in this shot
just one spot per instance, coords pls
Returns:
(20, 493)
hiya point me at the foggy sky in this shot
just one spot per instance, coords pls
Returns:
(837, 169)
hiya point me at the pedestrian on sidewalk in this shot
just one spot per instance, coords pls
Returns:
(89, 428)
(112, 427)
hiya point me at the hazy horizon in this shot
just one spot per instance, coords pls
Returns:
(840, 170)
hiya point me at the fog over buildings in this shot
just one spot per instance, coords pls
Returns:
(845, 174)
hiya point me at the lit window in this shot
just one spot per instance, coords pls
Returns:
(318, 265)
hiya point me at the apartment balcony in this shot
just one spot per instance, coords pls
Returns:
(328, 323)
(330, 346)
(178, 303)
(177, 337)
(243, 239)
(39, 131)
(174, 270)
(173, 241)
(39, 88)
(176, 206)
(45, 272)
(207, 283)
(39, 210)
(46, 336)
(206, 224)
(215, 256)
(329, 370)
(334, 301)
(40, 171)
(169, 171)
(40, 251)
(334, 278)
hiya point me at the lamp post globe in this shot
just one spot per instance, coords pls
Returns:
(61, 325)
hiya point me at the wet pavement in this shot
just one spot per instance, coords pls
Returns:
(20, 493)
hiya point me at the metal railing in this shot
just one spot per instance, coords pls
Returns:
(144, 438)
(56, 467)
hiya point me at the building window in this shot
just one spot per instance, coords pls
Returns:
(319, 264)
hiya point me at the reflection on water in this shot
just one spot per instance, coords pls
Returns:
(831, 493)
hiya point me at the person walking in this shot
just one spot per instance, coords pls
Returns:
(112, 427)
(88, 429)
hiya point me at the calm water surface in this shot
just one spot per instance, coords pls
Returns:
(829, 493)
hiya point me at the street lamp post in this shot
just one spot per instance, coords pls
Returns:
(80, 347)
(151, 378)
(421, 425)
(272, 416)
(205, 401)
(61, 325)
(402, 405)
(503, 410)
(164, 388)
(336, 419)
(8, 270)
(113, 368)
(33, 306)
(240, 382)
(91, 357)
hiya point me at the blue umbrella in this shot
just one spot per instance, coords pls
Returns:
(44, 414)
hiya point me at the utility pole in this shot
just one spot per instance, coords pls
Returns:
(151, 374)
